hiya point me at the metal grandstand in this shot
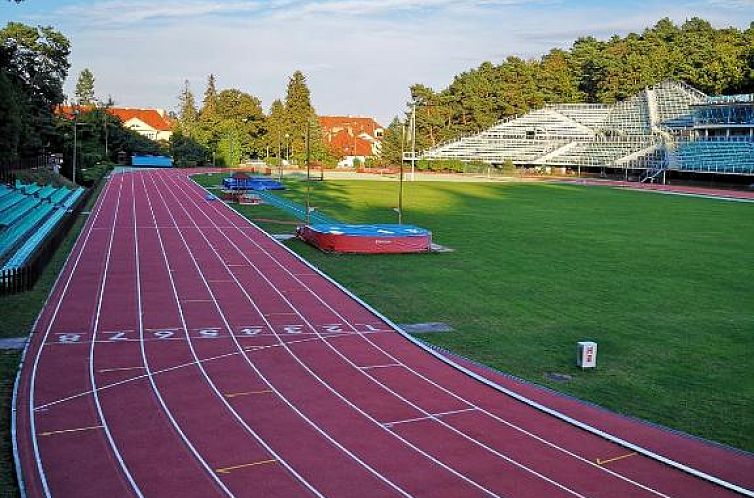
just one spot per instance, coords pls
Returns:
(666, 126)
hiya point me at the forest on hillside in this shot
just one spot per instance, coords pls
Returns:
(715, 61)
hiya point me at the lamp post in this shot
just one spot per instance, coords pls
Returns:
(75, 143)
(280, 159)
(308, 176)
(413, 140)
(288, 148)
(400, 179)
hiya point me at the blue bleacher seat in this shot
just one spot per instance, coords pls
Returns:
(18, 211)
(27, 249)
(12, 235)
(9, 201)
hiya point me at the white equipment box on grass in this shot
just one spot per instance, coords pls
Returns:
(586, 354)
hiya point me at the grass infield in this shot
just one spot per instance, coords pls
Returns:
(662, 283)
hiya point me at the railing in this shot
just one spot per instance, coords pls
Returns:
(22, 279)
(9, 167)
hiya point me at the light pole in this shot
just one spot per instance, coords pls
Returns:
(288, 148)
(75, 127)
(413, 140)
(280, 159)
(308, 176)
(400, 179)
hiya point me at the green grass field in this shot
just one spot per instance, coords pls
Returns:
(663, 284)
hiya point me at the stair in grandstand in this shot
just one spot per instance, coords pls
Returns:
(651, 175)
(29, 213)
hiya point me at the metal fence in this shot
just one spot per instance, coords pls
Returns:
(9, 167)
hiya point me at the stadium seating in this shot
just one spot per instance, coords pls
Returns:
(716, 156)
(29, 213)
(627, 134)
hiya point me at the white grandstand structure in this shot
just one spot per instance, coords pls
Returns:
(639, 133)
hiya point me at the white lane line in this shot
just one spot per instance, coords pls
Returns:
(432, 416)
(453, 394)
(144, 359)
(390, 391)
(92, 380)
(72, 270)
(333, 390)
(166, 370)
(199, 363)
(389, 365)
(264, 378)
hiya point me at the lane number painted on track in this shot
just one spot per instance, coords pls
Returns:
(251, 331)
(117, 336)
(333, 328)
(164, 334)
(293, 329)
(209, 333)
(68, 338)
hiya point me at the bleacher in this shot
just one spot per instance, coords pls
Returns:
(28, 214)
(715, 156)
(626, 134)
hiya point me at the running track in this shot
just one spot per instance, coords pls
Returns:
(184, 353)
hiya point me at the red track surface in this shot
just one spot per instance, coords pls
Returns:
(185, 353)
(737, 195)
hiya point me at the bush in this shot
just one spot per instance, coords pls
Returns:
(452, 166)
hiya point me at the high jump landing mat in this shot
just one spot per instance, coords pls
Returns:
(367, 239)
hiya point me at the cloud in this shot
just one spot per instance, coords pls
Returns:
(123, 12)
(133, 12)
(360, 56)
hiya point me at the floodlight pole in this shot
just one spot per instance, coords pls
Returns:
(75, 128)
(413, 140)
(400, 180)
(308, 176)
(280, 159)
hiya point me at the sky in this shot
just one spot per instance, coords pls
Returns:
(359, 56)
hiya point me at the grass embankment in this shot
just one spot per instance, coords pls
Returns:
(19, 313)
(662, 283)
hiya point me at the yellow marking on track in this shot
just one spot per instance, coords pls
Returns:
(50, 433)
(122, 369)
(259, 348)
(247, 393)
(227, 470)
(615, 459)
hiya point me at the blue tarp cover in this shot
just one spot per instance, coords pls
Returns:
(152, 161)
(389, 230)
(252, 183)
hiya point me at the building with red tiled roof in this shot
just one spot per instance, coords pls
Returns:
(352, 137)
(152, 123)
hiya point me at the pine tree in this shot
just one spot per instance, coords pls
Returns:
(209, 104)
(300, 115)
(85, 88)
(187, 113)
(276, 129)
(393, 143)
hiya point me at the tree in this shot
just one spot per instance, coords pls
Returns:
(276, 129)
(186, 151)
(300, 116)
(209, 104)
(716, 61)
(33, 65)
(393, 143)
(187, 112)
(85, 88)
(242, 122)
